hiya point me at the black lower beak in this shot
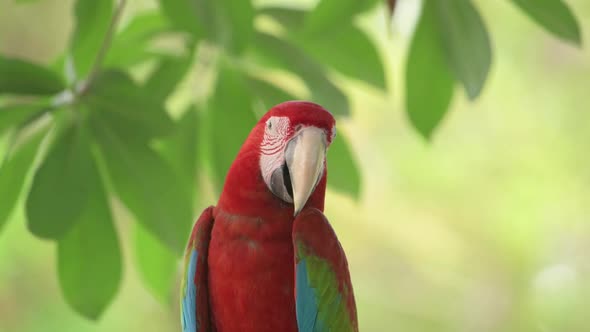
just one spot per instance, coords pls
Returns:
(287, 180)
(280, 183)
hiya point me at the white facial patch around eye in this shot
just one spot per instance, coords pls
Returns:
(272, 148)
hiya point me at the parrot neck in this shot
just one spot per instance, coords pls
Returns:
(245, 192)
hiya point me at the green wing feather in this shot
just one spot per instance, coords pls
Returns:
(324, 296)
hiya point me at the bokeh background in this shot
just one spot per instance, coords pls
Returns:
(484, 228)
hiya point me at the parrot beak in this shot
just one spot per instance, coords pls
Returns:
(305, 155)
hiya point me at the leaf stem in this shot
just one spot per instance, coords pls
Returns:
(104, 48)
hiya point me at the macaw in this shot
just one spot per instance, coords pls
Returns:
(266, 259)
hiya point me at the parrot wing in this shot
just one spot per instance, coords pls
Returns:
(194, 299)
(323, 293)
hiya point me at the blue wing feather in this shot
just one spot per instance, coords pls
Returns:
(189, 300)
(194, 297)
(306, 305)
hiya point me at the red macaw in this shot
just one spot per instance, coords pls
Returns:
(266, 259)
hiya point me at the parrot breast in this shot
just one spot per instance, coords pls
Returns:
(251, 274)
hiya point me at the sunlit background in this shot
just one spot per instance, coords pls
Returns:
(485, 228)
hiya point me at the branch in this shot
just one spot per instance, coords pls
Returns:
(104, 48)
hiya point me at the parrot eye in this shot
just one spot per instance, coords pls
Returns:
(269, 124)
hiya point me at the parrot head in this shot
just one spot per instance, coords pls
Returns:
(286, 151)
(293, 149)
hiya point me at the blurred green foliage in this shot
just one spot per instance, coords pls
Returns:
(141, 113)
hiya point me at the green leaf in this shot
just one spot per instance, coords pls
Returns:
(429, 81)
(14, 170)
(291, 18)
(164, 79)
(268, 94)
(133, 112)
(555, 16)
(331, 14)
(88, 256)
(226, 22)
(284, 55)
(349, 50)
(146, 184)
(466, 42)
(130, 45)
(184, 15)
(181, 149)
(232, 119)
(343, 173)
(342, 49)
(21, 77)
(14, 115)
(237, 24)
(156, 264)
(60, 188)
(92, 20)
